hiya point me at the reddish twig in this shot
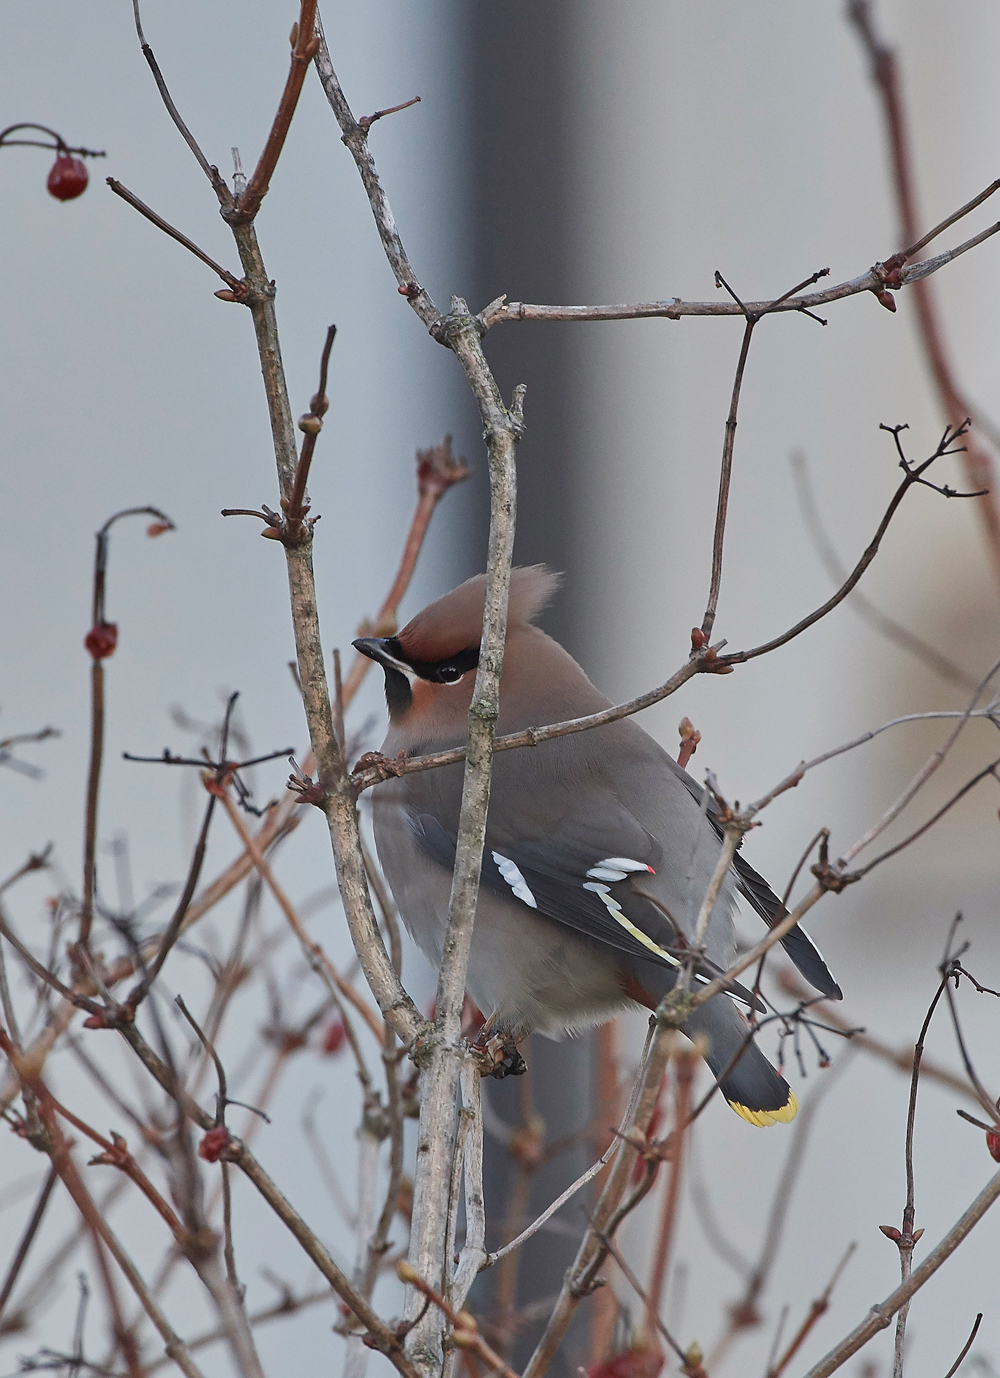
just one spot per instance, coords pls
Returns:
(818, 1308)
(437, 471)
(689, 742)
(304, 48)
(979, 468)
(685, 1067)
(100, 642)
(366, 121)
(465, 1331)
(310, 424)
(636, 1286)
(314, 949)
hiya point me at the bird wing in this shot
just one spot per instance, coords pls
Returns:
(582, 880)
(796, 942)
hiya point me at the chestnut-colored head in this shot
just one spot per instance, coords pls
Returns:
(440, 645)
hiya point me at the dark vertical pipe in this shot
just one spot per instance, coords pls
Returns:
(520, 167)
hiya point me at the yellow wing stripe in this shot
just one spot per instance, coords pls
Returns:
(763, 1118)
(617, 913)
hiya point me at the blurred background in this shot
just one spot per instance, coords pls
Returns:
(587, 152)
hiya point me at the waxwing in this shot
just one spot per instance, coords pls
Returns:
(598, 849)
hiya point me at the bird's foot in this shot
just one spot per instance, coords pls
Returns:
(498, 1057)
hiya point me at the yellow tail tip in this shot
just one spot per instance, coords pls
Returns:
(762, 1118)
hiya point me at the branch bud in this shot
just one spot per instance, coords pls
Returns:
(310, 424)
(101, 640)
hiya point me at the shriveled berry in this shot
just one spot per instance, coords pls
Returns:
(214, 1144)
(333, 1038)
(67, 178)
(101, 640)
(993, 1144)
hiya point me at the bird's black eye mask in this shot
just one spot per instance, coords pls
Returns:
(398, 694)
(447, 671)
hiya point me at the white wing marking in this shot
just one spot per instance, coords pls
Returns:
(514, 879)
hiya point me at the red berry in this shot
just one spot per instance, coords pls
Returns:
(213, 1144)
(333, 1039)
(644, 1361)
(993, 1144)
(68, 178)
(101, 640)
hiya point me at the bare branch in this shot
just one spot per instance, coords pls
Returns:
(979, 468)
(27, 1239)
(880, 1315)
(355, 136)
(227, 277)
(313, 949)
(673, 308)
(304, 47)
(212, 173)
(886, 626)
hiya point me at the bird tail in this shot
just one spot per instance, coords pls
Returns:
(751, 1085)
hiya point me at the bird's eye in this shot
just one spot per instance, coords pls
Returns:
(449, 674)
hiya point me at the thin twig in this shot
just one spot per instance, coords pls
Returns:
(100, 642)
(465, 1332)
(313, 949)
(553, 1206)
(310, 424)
(966, 1347)
(818, 1308)
(304, 46)
(684, 1070)
(673, 308)
(880, 1315)
(227, 277)
(382, 1338)
(636, 1286)
(905, 1240)
(725, 478)
(884, 624)
(437, 471)
(27, 1238)
(979, 468)
(176, 924)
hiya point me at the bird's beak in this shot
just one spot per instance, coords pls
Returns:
(380, 649)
